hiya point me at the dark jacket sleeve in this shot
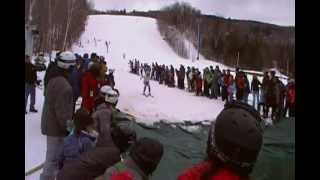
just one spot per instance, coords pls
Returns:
(64, 106)
(90, 165)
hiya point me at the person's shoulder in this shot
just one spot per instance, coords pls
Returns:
(194, 172)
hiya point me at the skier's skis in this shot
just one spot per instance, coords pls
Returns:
(149, 95)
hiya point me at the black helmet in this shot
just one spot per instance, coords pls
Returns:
(235, 138)
(147, 154)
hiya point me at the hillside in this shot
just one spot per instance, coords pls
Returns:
(259, 45)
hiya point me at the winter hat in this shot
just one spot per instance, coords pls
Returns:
(238, 150)
(66, 59)
(147, 154)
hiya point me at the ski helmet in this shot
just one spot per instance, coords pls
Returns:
(147, 154)
(235, 138)
(66, 59)
(110, 95)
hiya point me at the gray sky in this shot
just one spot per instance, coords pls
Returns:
(280, 12)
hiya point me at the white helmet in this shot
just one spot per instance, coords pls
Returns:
(66, 59)
(109, 94)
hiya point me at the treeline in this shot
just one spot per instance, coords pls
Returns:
(60, 22)
(257, 45)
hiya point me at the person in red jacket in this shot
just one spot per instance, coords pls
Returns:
(89, 86)
(199, 84)
(240, 85)
(230, 156)
(290, 99)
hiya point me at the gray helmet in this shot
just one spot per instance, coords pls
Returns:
(235, 138)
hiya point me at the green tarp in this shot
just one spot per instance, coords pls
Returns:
(185, 144)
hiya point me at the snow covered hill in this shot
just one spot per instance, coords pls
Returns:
(138, 37)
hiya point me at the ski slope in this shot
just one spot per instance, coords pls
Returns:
(136, 37)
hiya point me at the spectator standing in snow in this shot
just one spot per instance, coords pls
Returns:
(188, 74)
(86, 61)
(218, 75)
(198, 84)
(255, 83)
(246, 91)
(240, 85)
(30, 84)
(271, 96)
(226, 81)
(263, 96)
(205, 82)
(182, 76)
(81, 140)
(57, 112)
(290, 99)
(231, 88)
(279, 100)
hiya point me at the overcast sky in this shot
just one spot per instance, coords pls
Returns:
(280, 12)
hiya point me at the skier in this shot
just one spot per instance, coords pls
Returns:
(80, 140)
(141, 162)
(230, 156)
(146, 79)
(30, 84)
(57, 111)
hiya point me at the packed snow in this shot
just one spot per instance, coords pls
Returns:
(136, 37)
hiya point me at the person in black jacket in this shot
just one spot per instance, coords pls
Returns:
(255, 83)
(30, 84)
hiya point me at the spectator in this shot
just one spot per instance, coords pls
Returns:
(30, 84)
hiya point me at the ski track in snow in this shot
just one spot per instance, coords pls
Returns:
(137, 37)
